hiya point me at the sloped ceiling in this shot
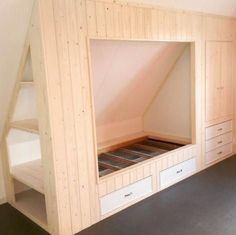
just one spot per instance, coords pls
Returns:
(126, 76)
(218, 7)
(14, 21)
(170, 112)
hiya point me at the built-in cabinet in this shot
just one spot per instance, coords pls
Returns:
(219, 100)
(63, 193)
(219, 141)
(219, 81)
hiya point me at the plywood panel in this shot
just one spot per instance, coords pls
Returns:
(39, 73)
(213, 80)
(226, 99)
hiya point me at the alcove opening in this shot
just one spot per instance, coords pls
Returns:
(143, 96)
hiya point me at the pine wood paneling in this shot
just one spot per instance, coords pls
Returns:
(129, 176)
(109, 20)
(59, 37)
(219, 83)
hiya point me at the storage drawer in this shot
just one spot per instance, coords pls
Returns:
(219, 129)
(174, 173)
(125, 195)
(219, 153)
(218, 141)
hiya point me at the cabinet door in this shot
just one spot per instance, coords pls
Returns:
(226, 97)
(213, 80)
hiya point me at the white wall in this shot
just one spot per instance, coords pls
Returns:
(126, 76)
(14, 21)
(170, 112)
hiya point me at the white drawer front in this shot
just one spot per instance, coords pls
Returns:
(125, 195)
(174, 173)
(219, 153)
(218, 141)
(219, 129)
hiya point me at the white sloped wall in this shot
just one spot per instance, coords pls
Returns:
(126, 75)
(14, 22)
(170, 111)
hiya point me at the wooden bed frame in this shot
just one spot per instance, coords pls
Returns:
(130, 154)
(69, 190)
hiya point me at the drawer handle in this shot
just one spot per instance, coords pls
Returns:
(219, 153)
(179, 171)
(128, 195)
(220, 129)
(220, 142)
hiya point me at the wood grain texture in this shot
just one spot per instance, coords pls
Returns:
(39, 74)
(108, 20)
(32, 205)
(120, 179)
(30, 174)
(30, 125)
(59, 34)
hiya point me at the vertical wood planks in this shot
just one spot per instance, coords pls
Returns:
(68, 133)
(136, 173)
(91, 17)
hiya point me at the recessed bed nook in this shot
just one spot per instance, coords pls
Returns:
(129, 155)
(143, 95)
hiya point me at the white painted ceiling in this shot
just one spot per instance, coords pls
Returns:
(219, 7)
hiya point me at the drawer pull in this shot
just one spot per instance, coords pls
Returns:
(220, 129)
(220, 142)
(128, 195)
(219, 153)
(179, 171)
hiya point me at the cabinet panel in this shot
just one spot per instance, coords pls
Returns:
(173, 174)
(226, 106)
(126, 195)
(219, 141)
(213, 83)
(219, 129)
(219, 71)
(218, 153)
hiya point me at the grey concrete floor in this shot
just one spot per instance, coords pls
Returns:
(204, 204)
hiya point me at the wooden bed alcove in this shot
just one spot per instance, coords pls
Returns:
(130, 154)
(131, 82)
(103, 81)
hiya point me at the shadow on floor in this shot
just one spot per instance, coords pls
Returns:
(204, 204)
(13, 222)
